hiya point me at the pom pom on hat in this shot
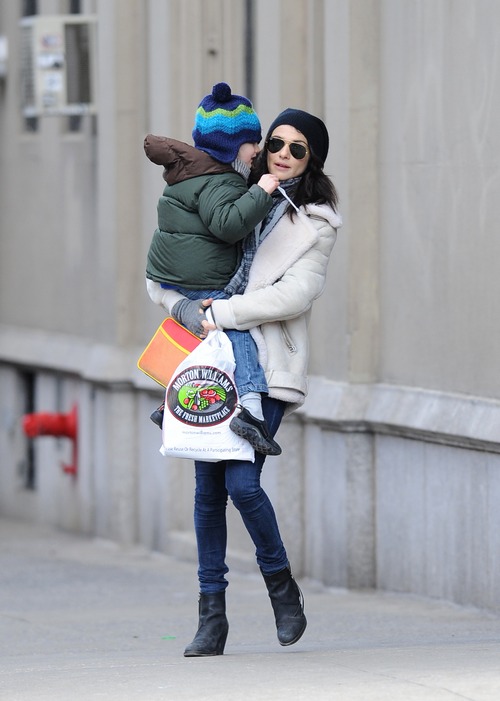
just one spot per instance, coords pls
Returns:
(312, 127)
(223, 122)
(221, 92)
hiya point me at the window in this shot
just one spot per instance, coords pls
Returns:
(74, 120)
(58, 67)
(30, 7)
(27, 466)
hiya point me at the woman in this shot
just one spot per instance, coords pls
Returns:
(286, 275)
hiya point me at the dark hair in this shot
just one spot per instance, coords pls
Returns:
(315, 187)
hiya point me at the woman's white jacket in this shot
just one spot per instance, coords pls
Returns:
(287, 274)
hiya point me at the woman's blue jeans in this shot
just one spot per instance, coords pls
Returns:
(239, 480)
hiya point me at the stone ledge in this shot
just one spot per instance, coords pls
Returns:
(460, 420)
(58, 352)
(464, 421)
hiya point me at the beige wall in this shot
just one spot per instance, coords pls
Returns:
(404, 339)
(439, 204)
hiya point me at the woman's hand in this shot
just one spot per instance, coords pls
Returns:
(207, 325)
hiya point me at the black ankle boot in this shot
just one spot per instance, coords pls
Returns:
(288, 605)
(213, 627)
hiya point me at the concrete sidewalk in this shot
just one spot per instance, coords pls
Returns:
(83, 620)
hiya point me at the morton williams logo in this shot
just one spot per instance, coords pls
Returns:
(201, 396)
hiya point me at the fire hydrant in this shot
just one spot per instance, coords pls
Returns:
(57, 425)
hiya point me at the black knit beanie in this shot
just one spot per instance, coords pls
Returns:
(312, 127)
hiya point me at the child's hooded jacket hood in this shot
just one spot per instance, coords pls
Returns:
(180, 160)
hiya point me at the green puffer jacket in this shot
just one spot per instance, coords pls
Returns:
(205, 212)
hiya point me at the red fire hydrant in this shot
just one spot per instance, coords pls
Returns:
(57, 425)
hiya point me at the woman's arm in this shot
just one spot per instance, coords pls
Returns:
(286, 298)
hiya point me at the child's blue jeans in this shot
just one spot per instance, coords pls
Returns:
(248, 374)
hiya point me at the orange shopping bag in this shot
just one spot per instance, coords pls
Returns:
(170, 345)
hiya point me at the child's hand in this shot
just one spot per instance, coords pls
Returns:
(191, 314)
(269, 183)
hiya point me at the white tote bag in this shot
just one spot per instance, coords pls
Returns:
(200, 401)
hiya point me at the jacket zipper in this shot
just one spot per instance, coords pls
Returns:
(286, 337)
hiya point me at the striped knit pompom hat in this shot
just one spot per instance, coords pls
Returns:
(224, 122)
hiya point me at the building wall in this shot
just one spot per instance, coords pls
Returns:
(439, 197)
(390, 474)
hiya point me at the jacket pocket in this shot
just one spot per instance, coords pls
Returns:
(287, 339)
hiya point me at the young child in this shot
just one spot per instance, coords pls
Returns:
(204, 214)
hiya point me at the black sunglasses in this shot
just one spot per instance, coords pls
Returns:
(298, 151)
